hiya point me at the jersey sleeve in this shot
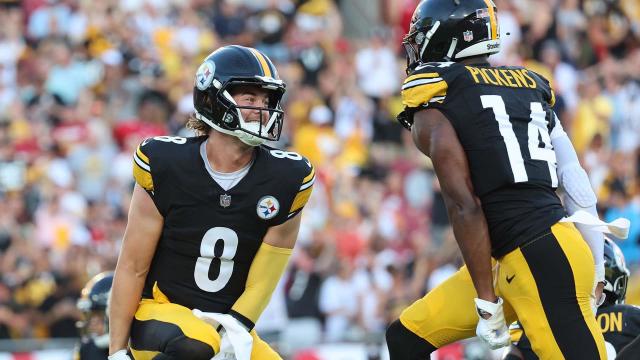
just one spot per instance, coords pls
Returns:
(303, 192)
(142, 167)
(424, 86)
(548, 93)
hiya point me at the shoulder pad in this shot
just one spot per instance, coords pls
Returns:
(302, 174)
(428, 83)
(147, 150)
(545, 87)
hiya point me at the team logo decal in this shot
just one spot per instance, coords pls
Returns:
(204, 75)
(268, 207)
(468, 35)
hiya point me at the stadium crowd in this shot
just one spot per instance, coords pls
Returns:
(82, 83)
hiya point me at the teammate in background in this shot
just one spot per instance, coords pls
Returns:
(94, 326)
(212, 222)
(499, 152)
(620, 323)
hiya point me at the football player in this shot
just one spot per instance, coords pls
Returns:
(499, 152)
(212, 222)
(620, 323)
(94, 326)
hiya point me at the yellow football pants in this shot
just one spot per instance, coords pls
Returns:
(160, 326)
(546, 285)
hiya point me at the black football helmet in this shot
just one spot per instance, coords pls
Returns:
(449, 30)
(615, 273)
(232, 66)
(93, 304)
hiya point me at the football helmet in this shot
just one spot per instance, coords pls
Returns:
(616, 273)
(93, 304)
(449, 30)
(220, 72)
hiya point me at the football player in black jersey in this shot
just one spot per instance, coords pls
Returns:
(212, 222)
(619, 323)
(499, 152)
(94, 326)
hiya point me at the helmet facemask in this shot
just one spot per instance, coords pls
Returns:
(415, 44)
(444, 31)
(224, 114)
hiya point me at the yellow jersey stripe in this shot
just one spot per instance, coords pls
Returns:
(492, 19)
(420, 82)
(421, 76)
(307, 184)
(142, 156)
(263, 62)
(144, 166)
(310, 176)
(421, 94)
(301, 199)
(143, 177)
(553, 98)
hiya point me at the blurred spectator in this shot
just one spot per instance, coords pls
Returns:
(620, 206)
(339, 302)
(592, 114)
(154, 110)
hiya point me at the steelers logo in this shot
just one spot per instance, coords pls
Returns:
(268, 207)
(204, 75)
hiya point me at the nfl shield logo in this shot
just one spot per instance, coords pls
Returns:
(468, 35)
(225, 200)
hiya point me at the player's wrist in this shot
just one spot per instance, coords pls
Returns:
(486, 309)
(119, 355)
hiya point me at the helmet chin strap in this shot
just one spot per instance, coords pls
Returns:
(245, 137)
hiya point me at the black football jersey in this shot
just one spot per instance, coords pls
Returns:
(620, 324)
(503, 119)
(210, 236)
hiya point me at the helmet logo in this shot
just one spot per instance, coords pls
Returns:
(204, 75)
(268, 207)
(468, 35)
(482, 13)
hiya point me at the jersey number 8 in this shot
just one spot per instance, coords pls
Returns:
(229, 240)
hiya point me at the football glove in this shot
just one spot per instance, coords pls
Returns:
(492, 330)
(119, 355)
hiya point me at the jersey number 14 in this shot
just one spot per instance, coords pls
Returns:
(538, 140)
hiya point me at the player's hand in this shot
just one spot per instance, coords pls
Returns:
(492, 328)
(598, 297)
(119, 355)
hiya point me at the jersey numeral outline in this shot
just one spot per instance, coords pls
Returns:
(173, 139)
(229, 240)
(537, 133)
(286, 154)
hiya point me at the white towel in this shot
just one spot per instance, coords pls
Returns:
(618, 227)
(236, 342)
